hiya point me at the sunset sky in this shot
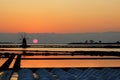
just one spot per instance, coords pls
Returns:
(59, 16)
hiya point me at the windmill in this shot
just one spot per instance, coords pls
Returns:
(24, 40)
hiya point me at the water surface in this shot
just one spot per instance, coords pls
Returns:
(28, 62)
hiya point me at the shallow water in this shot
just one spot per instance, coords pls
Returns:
(37, 62)
(63, 49)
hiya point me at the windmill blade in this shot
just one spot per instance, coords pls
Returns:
(22, 36)
(26, 36)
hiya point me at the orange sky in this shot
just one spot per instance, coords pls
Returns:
(59, 16)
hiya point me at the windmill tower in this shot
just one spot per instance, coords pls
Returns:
(24, 43)
(24, 40)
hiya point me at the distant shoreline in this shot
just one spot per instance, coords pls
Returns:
(69, 45)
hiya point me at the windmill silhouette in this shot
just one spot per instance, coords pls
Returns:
(24, 40)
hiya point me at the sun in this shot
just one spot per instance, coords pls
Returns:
(35, 41)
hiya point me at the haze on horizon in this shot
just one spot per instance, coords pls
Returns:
(59, 16)
(50, 38)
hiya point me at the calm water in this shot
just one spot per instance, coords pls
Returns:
(64, 49)
(37, 63)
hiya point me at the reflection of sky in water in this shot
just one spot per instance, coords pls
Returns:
(70, 63)
(65, 63)
(63, 49)
(37, 56)
(62, 63)
(2, 60)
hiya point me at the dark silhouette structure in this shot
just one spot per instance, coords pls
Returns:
(17, 63)
(24, 43)
(24, 40)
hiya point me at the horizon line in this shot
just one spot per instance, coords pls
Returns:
(58, 33)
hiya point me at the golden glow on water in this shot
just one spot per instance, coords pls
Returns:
(38, 63)
(2, 61)
(66, 63)
(64, 49)
(69, 63)
(70, 56)
(12, 64)
(14, 76)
